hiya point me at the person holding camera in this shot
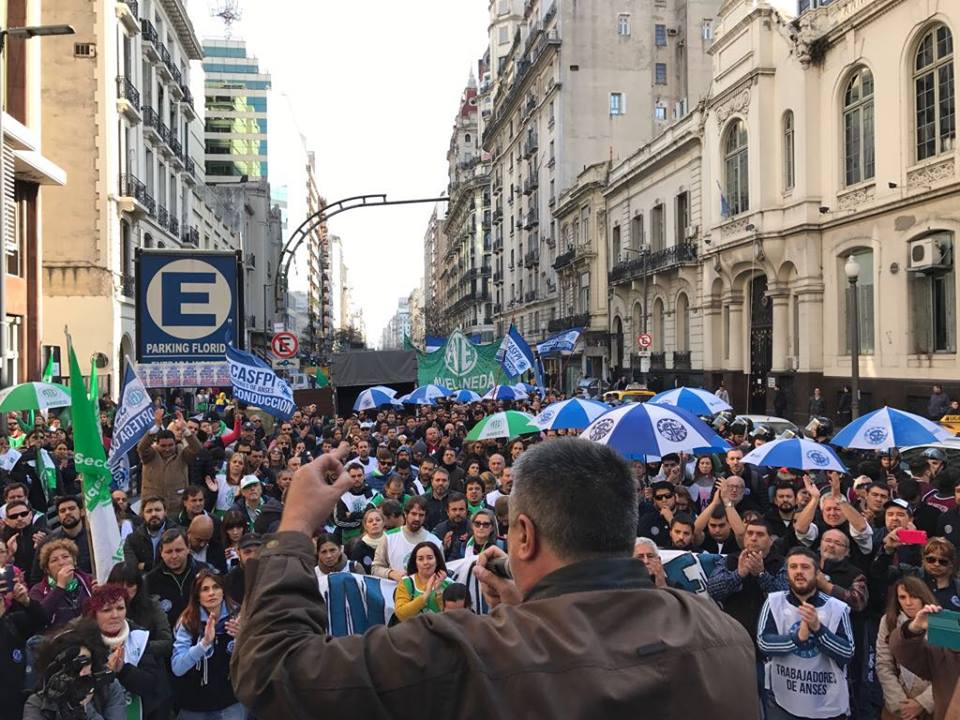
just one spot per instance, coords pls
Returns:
(20, 618)
(202, 646)
(579, 625)
(75, 683)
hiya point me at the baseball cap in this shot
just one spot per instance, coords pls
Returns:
(249, 480)
(862, 480)
(248, 426)
(900, 503)
(249, 540)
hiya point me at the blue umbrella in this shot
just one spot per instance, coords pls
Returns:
(425, 395)
(696, 400)
(527, 388)
(639, 431)
(505, 392)
(573, 414)
(465, 396)
(887, 428)
(372, 398)
(795, 453)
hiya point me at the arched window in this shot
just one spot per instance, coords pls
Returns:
(933, 82)
(789, 172)
(735, 166)
(858, 155)
(682, 315)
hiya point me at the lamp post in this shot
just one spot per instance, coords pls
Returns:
(852, 270)
(19, 33)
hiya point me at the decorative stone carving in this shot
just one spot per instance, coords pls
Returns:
(737, 104)
(855, 198)
(734, 227)
(934, 172)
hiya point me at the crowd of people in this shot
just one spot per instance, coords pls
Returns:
(834, 576)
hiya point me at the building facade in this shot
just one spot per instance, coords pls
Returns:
(26, 168)
(118, 109)
(397, 328)
(236, 113)
(465, 269)
(831, 134)
(581, 83)
(653, 215)
(432, 294)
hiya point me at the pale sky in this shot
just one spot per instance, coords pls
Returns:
(375, 86)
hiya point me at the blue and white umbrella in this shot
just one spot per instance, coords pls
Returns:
(887, 428)
(374, 397)
(573, 414)
(795, 453)
(696, 400)
(505, 392)
(465, 396)
(527, 388)
(640, 431)
(425, 395)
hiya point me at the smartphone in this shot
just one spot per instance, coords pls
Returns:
(7, 578)
(912, 537)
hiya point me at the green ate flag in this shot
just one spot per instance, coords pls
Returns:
(459, 364)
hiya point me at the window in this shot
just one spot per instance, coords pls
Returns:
(864, 258)
(585, 225)
(503, 35)
(788, 158)
(615, 248)
(616, 104)
(858, 157)
(637, 240)
(656, 228)
(661, 73)
(660, 35)
(736, 175)
(623, 24)
(683, 218)
(660, 112)
(503, 7)
(935, 97)
(682, 315)
(13, 348)
(584, 298)
(706, 29)
(933, 301)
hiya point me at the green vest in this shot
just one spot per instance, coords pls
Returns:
(432, 604)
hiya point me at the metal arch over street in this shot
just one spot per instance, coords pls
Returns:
(328, 211)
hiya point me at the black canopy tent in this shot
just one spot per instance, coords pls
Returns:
(354, 372)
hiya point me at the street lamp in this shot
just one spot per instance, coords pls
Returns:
(19, 33)
(852, 269)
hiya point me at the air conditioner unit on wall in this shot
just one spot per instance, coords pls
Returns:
(929, 253)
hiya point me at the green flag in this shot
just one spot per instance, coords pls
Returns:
(459, 364)
(320, 378)
(47, 472)
(91, 462)
(48, 370)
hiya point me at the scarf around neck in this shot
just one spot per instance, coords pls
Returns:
(375, 543)
(118, 639)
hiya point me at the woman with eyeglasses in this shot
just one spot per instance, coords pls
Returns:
(904, 694)
(940, 571)
(484, 532)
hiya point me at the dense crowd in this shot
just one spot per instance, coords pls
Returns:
(826, 571)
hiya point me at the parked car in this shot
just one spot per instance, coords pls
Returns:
(777, 424)
(633, 393)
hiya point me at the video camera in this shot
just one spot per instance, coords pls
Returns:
(64, 686)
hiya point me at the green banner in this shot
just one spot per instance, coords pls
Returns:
(460, 364)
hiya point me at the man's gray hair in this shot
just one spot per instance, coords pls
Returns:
(648, 542)
(580, 495)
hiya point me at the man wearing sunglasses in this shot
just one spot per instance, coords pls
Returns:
(18, 532)
(655, 522)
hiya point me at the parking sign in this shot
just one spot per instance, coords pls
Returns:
(185, 302)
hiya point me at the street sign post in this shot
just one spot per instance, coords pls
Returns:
(285, 345)
(186, 302)
(285, 363)
(644, 341)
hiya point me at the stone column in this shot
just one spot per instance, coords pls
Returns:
(780, 297)
(734, 302)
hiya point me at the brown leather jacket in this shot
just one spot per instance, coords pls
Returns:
(166, 477)
(591, 640)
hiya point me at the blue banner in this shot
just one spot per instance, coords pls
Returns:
(563, 342)
(256, 384)
(514, 355)
(185, 301)
(133, 419)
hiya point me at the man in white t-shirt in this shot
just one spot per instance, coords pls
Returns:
(504, 486)
(390, 560)
(807, 639)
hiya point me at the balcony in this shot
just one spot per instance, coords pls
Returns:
(681, 360)
(564, 259)
(498, 215)
(497, 308)
(530, 296)
(658, 361)
(128, 12)
(531, 145)
(128, 99)
(176, 150)
(498, 245)
(531, 258)
(497, 278)
(164, 132)
(163, 218)
(173, 225)
(533, 219)
(485, 223)
(566, 323)
(186, 103)
(176, 87)
(531, 184)
(151, 41)
(649, 263)
(189, 171)
(132, 196)
(191, 236)
(163, 67)
(151, 125)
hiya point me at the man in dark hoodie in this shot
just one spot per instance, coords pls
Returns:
(142, 545)
(171, 580)
(348, 514)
